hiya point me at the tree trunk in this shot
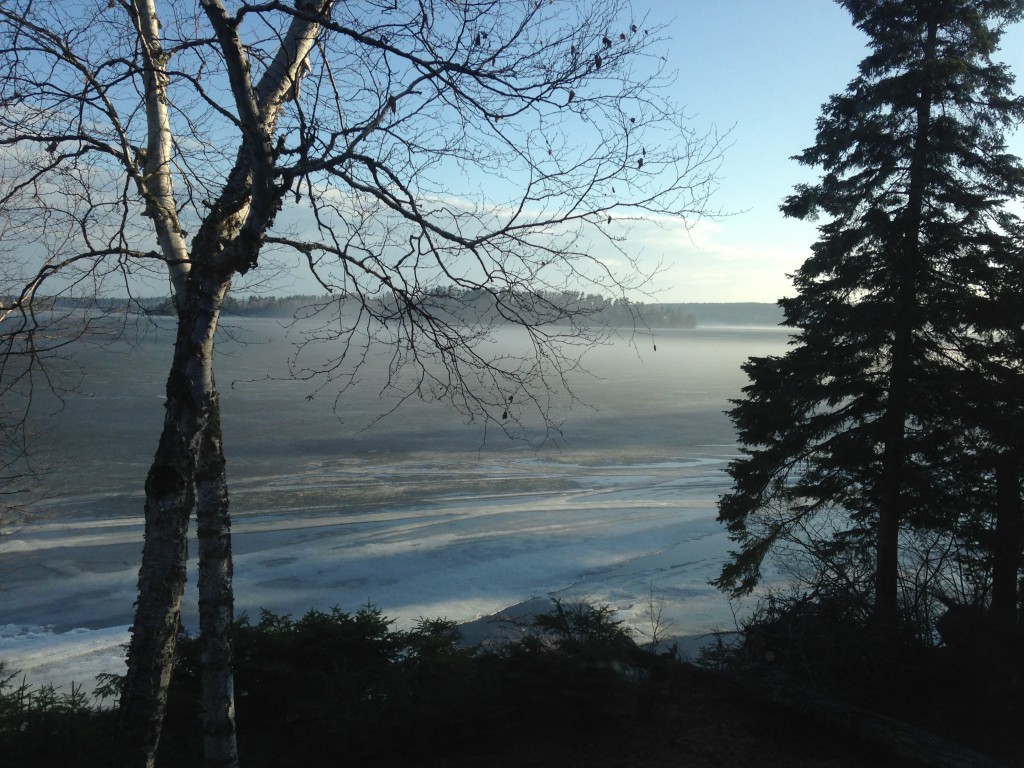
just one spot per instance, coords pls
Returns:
(170, 498)
(169, 501)
(894, 466)
(216, 598)
(1006, 552)
(908, 261)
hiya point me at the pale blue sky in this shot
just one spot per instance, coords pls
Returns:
(765, 67)
(761, 69)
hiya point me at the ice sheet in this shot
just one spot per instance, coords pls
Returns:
(620, 535)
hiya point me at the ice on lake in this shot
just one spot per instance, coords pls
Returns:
(419, 515)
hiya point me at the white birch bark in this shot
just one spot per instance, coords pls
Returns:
(157, 181)
(216, 598)
(189, 469)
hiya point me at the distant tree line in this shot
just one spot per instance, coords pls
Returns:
(483, 304)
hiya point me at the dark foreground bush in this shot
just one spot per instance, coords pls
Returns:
(828, 642)
(44, 727)
(350, 689)
(332, 685)
(342, 688)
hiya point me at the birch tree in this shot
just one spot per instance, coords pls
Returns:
(390, 149)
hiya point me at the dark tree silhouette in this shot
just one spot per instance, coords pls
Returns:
(900, 317)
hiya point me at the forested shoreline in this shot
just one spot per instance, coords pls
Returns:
(597, 309)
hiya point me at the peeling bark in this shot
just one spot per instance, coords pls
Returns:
(169, 500)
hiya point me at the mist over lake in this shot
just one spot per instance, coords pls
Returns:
(635, 404)
(419, 512)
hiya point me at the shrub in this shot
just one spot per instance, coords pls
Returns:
(348, 688)
(46, 727)
(328, 684)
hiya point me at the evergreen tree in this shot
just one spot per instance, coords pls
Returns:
(895, 304)
(980, 431)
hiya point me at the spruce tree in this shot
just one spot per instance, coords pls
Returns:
(840, 435)
(978, 433)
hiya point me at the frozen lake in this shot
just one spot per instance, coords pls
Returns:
(422, 515)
